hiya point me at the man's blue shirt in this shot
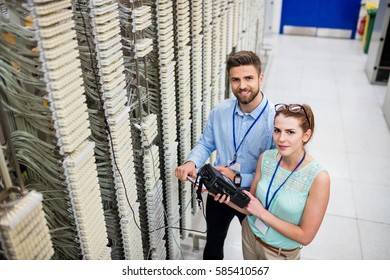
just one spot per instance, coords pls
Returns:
(218, 135)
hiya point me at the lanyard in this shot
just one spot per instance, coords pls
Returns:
(267, 204)
(247, 132)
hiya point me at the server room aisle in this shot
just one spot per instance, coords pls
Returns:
(351, 140)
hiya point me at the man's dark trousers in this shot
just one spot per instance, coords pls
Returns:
(218, 218)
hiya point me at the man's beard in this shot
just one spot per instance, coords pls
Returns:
(247, 100)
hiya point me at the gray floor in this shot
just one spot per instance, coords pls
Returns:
(351, 140)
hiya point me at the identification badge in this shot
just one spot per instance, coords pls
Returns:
(236, 166)
(261, 226)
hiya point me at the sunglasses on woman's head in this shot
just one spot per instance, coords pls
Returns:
(293, 108)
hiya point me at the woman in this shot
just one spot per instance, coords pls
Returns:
(290, 191)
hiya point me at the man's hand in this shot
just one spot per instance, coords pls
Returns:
(226, 171)
(185, 170)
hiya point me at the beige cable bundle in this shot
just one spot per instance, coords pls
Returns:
(24, 234)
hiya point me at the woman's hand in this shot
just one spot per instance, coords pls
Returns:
(254, 206)
(221, 198)
(224, 198)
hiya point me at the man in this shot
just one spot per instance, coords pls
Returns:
(239, 129)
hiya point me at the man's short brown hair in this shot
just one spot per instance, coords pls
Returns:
(241, 58)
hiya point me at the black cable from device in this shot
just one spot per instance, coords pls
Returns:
(107, 127)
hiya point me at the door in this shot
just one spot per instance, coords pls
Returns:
(331, 18)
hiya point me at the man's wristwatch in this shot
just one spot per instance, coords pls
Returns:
(237, 179)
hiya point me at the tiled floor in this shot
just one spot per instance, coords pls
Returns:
(351, 140)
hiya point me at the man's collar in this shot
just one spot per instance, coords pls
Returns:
(256, 111)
